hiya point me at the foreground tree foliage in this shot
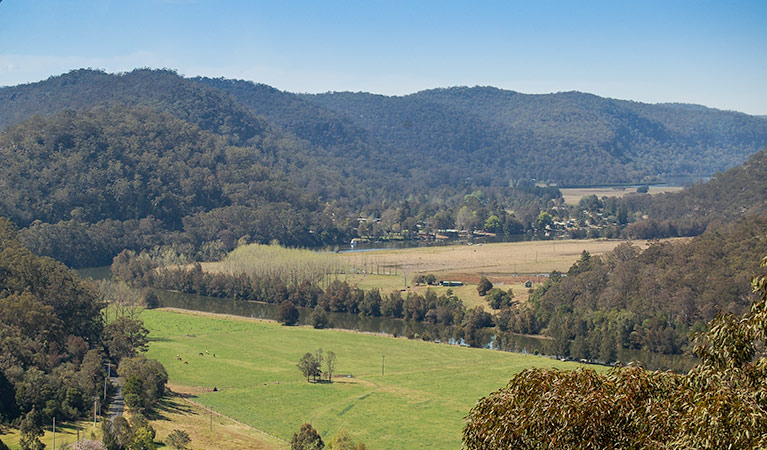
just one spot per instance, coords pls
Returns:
(721, 403)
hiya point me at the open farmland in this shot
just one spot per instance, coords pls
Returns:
(507, 265)
(468, 262)
(573, 195)
(66, 433)
(419, 401)
(175, 412)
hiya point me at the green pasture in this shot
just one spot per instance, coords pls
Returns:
(66, 433)
(419, 402)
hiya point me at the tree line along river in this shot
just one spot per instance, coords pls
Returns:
(390, 326)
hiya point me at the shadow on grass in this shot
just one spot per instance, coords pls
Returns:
(171, 404)
(70, 427)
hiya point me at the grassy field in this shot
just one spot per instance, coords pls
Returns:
(174, 412)
(506, 264)
(467, 262)
(573, 195)
(467, 293)
(222, 433)
(419, 402)
(65, 434)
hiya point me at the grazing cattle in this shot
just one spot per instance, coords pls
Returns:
(178, 358)
(202, 354)
(214, 355)
(186, 362)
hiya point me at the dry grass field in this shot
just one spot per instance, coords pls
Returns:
(66, 433)
(573, 195)
(507, 264)
(506, 261)
(176, 412)
(467, 293)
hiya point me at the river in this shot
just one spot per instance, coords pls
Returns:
(488, 338)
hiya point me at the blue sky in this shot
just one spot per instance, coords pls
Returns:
(708, 52)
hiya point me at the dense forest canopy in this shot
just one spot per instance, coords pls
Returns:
(430, 138)
(97, 163)
(727, 196)
(647, 298)
(570, 138)
(50, 331)
(117, 177)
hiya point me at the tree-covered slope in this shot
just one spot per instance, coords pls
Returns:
(649, 298)
(314, 151)
(208, 108)
(570, 137)
(726, 197)
(119, 177)
(395, 146)
(50, 336)
(308, 120)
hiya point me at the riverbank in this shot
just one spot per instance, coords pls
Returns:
(390, 393)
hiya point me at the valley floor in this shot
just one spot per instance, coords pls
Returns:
(389, 393)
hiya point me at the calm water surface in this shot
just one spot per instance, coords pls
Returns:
(396, 327)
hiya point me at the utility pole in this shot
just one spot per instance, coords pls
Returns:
(54, 433)
(95, 399)
(211, 418)
(109, 371)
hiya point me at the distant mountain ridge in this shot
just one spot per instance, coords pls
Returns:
(396, 146)
(567, 137)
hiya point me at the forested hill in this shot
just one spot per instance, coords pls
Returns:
(91, 183)
(649, 298)
(308, 120)
(208, 108)
(396, 146)
(726, 197)
(570, 137)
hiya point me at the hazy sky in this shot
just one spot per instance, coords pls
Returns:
(708, 52)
